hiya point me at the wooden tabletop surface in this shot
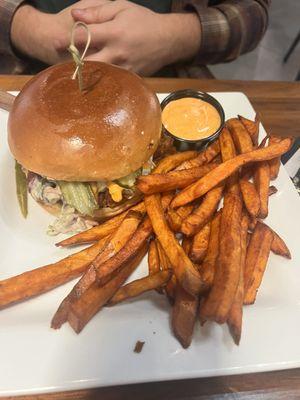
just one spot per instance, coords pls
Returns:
(279, 106)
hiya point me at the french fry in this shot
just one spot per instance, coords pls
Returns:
(172, 161)
(262, 183)
(123, 233)
(224, 170)
(243, 143)
(186, 245)
(263, 143)
(204, 157)
(139, 286)
(252, 224)
(248, 171)
(170, 289)
(157, 183)
(200, 244)
(275, 163)
(240, 135)
(208, 267)
(176, 217)
(184, 314)
(166, 199)
(184, 270)
(202, 214)
(165, 265)
(184, 211)
(83, 309)
(252, 128)
(235, 317)
(110, 268)
(278, 245)
(226, 145)
(174, 220)
(153, 258)
(250, 197)
(219, 301)
(228, 152)
(116, 269)
(272, 190)
(43, 279)
(100, 231)
(94, 233)
(256, 260)
(125, 230)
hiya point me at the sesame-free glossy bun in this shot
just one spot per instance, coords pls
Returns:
(103, 133)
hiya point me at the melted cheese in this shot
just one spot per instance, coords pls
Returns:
(115, 191)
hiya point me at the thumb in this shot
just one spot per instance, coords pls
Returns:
(98, 14)
(104, 55)
(89, 15)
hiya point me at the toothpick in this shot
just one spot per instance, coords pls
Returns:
(78, 59)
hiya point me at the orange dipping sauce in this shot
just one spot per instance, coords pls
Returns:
(190, 118)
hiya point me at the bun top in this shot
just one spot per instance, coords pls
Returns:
(103, 133)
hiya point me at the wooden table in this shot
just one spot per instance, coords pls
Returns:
(279, 106)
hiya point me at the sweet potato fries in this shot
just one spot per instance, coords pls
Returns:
(199, 220)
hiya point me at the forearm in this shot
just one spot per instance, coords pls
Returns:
(23, 39)
(43, 41)
(184, 36)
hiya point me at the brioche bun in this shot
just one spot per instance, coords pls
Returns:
(103, 133)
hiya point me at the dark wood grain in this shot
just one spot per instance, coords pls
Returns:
(279, 106)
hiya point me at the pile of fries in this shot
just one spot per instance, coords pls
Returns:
(200, 222)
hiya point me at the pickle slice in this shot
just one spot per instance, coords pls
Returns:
(21, 184)
(80, 196)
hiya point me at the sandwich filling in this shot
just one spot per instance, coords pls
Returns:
(79, 201)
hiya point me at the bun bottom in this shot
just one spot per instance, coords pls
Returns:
(53, 209)
(101, 214)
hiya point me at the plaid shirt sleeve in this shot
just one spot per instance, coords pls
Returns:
(9, 61)
(229, 27)
(7, 10)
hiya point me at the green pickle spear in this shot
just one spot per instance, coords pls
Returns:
(80, 196)
(21, 184)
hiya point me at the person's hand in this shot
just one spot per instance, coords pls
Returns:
(36, 34)
(45, 36)
(122, 33)
(137, 38)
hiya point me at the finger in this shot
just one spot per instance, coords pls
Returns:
(100, 35)
(99, 14)
(105, 55)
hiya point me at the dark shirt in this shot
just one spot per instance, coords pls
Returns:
(54, 6)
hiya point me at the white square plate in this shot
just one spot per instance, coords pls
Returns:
(37, 359)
